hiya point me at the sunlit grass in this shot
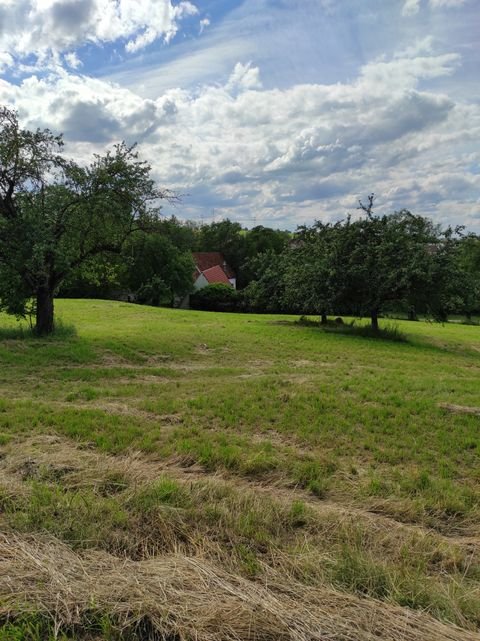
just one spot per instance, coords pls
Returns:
(260, 397)
(339, 418)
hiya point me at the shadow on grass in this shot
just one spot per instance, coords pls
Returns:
(389, 331)
(21, 331)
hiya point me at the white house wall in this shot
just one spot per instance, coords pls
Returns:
(200, 283)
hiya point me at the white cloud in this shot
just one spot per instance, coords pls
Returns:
(411, 7)
(405, 72)
(46, 27)
(6, 61)
(420, 46)
(73, 60)
(244, 77)
(311, 149)
(204, 23)
(439, 4)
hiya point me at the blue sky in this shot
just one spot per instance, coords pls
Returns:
(273, 112)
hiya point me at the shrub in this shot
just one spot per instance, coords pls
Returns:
(216, 298)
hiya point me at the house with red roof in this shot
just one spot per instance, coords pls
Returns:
(210, 268)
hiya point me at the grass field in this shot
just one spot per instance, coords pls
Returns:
(184, 475)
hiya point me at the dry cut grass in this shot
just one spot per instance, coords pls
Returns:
(171, 573)
(182, 598)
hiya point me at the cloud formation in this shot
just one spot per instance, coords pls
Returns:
(46, 28)
(281, 156)
(280, 140)
(438, 4)
(412, 7)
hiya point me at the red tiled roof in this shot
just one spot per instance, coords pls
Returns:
(206, 260)
(216, 275)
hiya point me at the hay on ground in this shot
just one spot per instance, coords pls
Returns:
(189, 598)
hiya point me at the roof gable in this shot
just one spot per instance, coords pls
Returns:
(216, 275)
(207, 260)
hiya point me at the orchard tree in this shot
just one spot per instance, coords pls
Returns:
(56, 214)
(374, 264)
(389, 261)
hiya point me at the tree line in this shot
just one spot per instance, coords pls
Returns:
(369, 266)
(97, 230)
(156, 266)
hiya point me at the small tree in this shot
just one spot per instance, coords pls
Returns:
(56, 214)
(389, 260)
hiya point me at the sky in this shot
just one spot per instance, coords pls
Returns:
(267, 112)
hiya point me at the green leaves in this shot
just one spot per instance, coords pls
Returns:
(375, 264)
(55, 215)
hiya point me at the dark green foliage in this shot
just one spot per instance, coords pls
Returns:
(469, 261)
(313, 274)
(153, 266)
(266, 293)
(225, 237)
(216, 298)
(240, 246)
(158, 271)
(259, 241)
(372, 265)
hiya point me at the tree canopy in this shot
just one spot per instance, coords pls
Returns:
(55, 214)
(370, 266)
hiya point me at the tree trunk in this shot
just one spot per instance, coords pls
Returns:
(44, 319)
(412, 314)
(374, 318)
(323, 318)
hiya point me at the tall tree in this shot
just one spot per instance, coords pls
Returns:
(226, 237)
(56, 214)
(158, 272)
(260, 240)
(469, 263)
(266, 291)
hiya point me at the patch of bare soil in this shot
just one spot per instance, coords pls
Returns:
(145, 379)
(305, 363)
(460, 409)
(189, 598)
(259, 364)
(189, 367)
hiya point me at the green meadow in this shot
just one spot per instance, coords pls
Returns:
(323, 458)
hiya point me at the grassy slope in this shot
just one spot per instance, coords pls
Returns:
(321, 430)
